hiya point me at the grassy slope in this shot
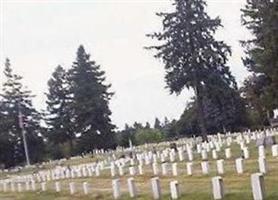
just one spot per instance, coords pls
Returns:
(196, 187)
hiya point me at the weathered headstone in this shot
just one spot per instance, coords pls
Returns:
(72, 187)
(258, 187)
(155, 184)
(131, 187)
(189, 168)
(214, 154)
(228, 153)
(262, 165)
(116, 188)
(239, 166)
(205, 167)
(217, 187)
(175, 169)
(85, 188)
(220, 166)
(274, 150)
(43, 186)
(57, 186)
(174, 188)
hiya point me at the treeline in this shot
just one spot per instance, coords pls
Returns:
(77, 115)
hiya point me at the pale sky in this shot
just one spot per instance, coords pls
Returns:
(38, 35)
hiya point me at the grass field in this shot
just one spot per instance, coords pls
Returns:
(196, 187)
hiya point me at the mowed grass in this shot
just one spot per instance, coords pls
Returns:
(196, 187)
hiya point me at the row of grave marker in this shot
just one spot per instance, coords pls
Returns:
(257, 184)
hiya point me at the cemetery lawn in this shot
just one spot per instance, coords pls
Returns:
(196, 187)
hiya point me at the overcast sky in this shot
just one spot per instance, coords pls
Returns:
(39, 35)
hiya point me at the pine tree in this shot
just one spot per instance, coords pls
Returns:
(59, 110)
(147, 126)
(192, 57)
(157, 124)
(91, 113)
(15, 97)
(261, 18)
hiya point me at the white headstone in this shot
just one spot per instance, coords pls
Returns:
(19, 187)
(132, 171)
(239, 166)
(57, 187)
(189, 168)
(27, 185)
(172, 156)
(262, 165)
(116, 188)
(258, 188)
(205, 167)
(204, 155)
(97, 170)
(131, 187)
(155, 183)
(174, 188)
(220, 166)
(246, 153)
(121, 170)
(261, 151)
(72, 187)
(5, 187)
(175, 169)
(43, 186)
(33, 185)
(274, 150)
(190, 155)
(85, 188)
(228, 153)
(155, 168)
(140, 169)
(217, 187)
(164, 167)
(12, 187)
(214, 154)
(181, 155)
(113, 170)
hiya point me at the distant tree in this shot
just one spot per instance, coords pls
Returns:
(137, 125)
(15, 97)
(143, 136)
(191, 55)
(147, 126)
(91, 113)
(157, 124)
(187, 125)
(224, 114)
(59, 110)
(123, 136)
(261, 19)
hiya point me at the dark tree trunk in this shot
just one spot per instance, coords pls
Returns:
(200, 107)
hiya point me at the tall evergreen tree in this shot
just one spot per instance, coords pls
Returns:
(91, 113)
(261, 18)
(191, 55)
(157, 124)
(59, 110)
(15, 97)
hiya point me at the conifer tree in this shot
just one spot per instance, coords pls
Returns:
(15, 97)
(192, 57)
(91, 113)
(59, 110)
(157, 124)
(261, 19)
